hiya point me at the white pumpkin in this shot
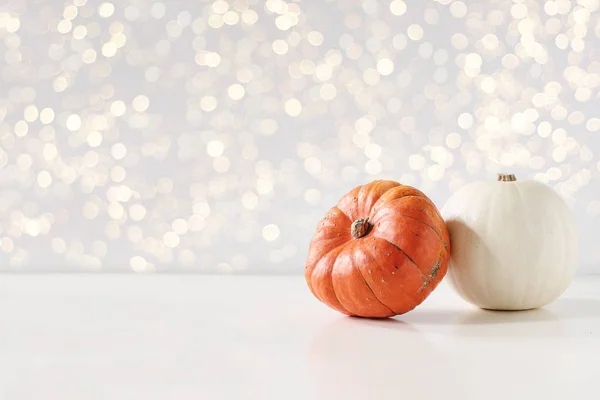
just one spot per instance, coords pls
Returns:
(514, 244)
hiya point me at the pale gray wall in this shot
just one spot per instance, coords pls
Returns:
(182, 135)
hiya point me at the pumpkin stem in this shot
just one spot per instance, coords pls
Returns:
(506, 178)
(360, 228)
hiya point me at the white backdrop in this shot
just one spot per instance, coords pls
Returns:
(212, 136)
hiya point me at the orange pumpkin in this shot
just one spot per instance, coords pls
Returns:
(379, 252)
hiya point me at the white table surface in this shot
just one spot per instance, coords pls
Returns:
(182, 337)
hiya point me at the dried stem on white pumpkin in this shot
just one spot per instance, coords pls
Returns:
(507, 177)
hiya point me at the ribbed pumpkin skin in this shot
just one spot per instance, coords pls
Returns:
(393, 267)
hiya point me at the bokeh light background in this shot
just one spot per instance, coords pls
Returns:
(211, 136)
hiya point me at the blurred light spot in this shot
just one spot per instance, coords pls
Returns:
(46, 115)
(24, 162)
(431, 16)
(49, 152)
(137, 212)
(158, 10)
(312, 196)
(7, 245)
(109, 49)
(30, 114)
(293, 107)
(79, 32)
(459, 41)
(519, 10)
(415, 32)
(221, 164)
(385, 66)
(593, 124)
(373, 167)
(89, 56)
(249, 200)
(220, 6)
(416, 162)
(453, 140)
(140, 103)
(312, 165)
(44, 179)
(280, 47)
(576, 118)
(73, 122)
(315, 38)
(138, 264)
(106, 10)
(435, 172)
(64, 26)
(488, 85)
(171, 239)
(215, 148)
(115, 211)
(90, 210)
(249, 17)
(268, 126)
(236, 91)
(544, 129)
(118, 108)
(21, 128)
(208, 103)
(270, 232)
(94, 139)
(58, 246)
(117, 173)
(373, 151)
(118, 151)
(231, 18)
(323, 72)
(164, 185)
(398, 7)
(180, 226)
(465, 120)
(458, 9)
